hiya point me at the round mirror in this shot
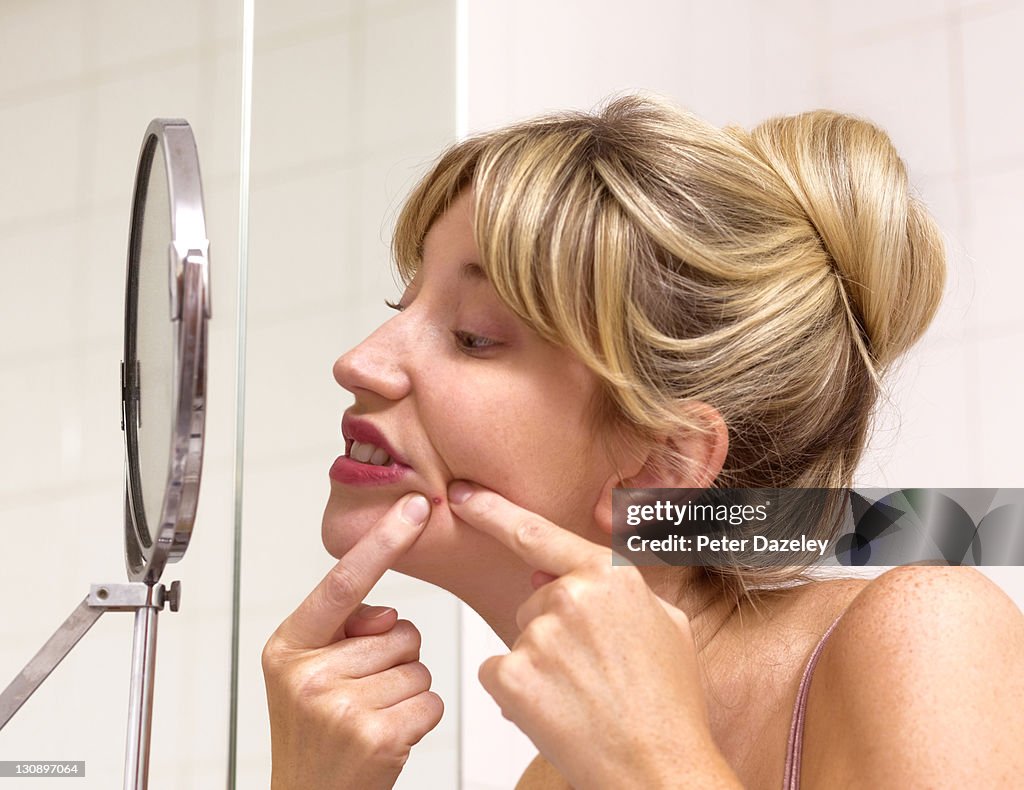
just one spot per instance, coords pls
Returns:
(163, 375)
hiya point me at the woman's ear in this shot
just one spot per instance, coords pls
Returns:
(706, 450)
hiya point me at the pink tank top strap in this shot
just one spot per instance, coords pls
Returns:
(796, 729)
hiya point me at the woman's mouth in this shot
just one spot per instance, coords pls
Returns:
(349, 470)
(367, 453)
(366, 461)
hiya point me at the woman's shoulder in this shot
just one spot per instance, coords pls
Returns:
(944, 611)
(921, 681)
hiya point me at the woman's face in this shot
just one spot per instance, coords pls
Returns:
(455, 386)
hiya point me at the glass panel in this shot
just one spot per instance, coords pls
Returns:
(351, 102)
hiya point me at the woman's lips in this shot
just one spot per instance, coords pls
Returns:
(348, 470)
(366, 432)
(353, 472)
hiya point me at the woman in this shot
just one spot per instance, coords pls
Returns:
(638, 299)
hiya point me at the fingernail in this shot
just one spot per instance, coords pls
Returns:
(372, 612)
(416, 510)
(459, 492)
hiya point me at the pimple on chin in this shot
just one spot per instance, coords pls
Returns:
(437, 500)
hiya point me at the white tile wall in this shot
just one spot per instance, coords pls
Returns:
(997, 412)
(299, 119)
(914, 109)
(293, 405)
(874, 19)
(219, 96)
(785, 83)
(494, 752)
(406, 67)
(82, 706)
(53, 58)
(998, 262)
(99, 279)
(992, 57)
(714, 69)
(533, 56)
(302, 20)
(311, 238)
(145, 33)
(38, 130)
(27, 267)
(924, 386)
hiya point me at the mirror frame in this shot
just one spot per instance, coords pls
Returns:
(170, 143)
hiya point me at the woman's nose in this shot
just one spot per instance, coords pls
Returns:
(375, 365)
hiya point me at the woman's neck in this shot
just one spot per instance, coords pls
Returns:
(712, 613)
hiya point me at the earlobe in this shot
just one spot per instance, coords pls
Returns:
(603, 506)
(705, 450)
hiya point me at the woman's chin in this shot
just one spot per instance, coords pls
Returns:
(347, 519)
(344, 524)
(436, 554)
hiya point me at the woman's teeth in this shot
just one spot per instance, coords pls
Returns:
(366, 453)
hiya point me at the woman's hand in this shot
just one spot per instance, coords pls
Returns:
(348, 697)
(604, 676)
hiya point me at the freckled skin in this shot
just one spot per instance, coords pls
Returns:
(920, 685)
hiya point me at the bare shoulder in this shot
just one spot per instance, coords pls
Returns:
(928, 601)
(920, 684)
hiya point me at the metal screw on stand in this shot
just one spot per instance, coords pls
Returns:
(174, 596)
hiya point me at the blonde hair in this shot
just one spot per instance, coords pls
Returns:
(774, 274)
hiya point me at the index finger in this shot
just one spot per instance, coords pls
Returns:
(320, 617)
(533, 538)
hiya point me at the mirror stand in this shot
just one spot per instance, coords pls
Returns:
(167, 305)
(146, 601)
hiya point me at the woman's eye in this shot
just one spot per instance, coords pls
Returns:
(467, 341)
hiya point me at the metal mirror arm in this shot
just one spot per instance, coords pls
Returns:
(143, 599)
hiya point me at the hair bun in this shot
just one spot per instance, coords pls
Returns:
(851, 184)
